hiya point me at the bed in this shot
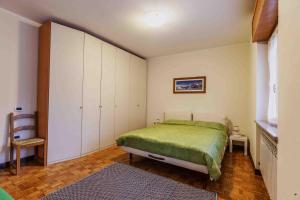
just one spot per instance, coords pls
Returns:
(196, 145)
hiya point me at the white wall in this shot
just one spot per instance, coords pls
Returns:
(18, 71)
(259, 80)
(227, 70)
(252, 102)
(289, 98)
(262, 82)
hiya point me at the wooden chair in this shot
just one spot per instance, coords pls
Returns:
(23, 143)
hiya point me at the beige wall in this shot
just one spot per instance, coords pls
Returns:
(289, 97)
(227, 70)
(18, 71)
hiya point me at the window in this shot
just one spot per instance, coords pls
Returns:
(273, 79)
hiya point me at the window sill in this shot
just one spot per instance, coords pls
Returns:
(269, 129)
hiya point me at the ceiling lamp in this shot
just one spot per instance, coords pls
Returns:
(154, 19)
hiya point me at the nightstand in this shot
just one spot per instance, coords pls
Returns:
(240, 138)
(157, 121)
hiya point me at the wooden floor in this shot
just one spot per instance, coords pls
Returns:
(237, 182)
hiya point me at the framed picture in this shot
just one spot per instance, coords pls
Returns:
(189, 85)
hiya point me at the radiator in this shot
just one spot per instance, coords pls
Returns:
(268, 165)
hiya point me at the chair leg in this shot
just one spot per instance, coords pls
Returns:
(130, 158)
(11, 158)
(45, 154)
(18, 160)
(36, 156)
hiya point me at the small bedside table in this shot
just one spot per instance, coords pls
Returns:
(241, 138)
(157, 121)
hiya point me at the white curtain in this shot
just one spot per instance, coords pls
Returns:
(273, 81)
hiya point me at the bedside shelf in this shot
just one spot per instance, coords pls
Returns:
(240, 138)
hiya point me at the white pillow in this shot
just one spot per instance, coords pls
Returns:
(180, 115)
(207, 117)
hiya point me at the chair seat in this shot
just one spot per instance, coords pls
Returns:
(31, 141)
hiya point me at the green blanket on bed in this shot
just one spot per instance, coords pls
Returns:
(4, 195)
(197, 142)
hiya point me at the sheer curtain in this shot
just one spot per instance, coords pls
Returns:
(273, 81)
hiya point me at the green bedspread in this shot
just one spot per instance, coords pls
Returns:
(198, 142)
(4, 195)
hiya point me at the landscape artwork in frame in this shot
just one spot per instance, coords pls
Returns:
(189, 85)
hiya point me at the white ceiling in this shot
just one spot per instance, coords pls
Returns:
(191, 24)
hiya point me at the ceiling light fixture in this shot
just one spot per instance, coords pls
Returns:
(154, 19)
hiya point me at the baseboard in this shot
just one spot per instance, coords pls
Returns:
(23, 160)
(256, 171)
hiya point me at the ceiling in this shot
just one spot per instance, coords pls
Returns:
(190, 24)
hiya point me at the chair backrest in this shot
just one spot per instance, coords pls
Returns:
(13, 129)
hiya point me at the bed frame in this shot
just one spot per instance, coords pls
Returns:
(173, 161)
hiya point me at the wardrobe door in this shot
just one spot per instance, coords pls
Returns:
(142, 93)
(107, 129)
(65, 93)
(91, 95)
(138, 92)
(122, 92)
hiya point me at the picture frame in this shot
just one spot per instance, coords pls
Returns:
(187, 85)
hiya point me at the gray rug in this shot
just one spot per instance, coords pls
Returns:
(123, 182)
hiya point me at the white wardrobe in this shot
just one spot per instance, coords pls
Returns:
(65, 93)
(91, 98)
(89, 92)
(107, 125)
(122, 92)
(138, 93)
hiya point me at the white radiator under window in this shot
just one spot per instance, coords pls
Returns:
(268, 165)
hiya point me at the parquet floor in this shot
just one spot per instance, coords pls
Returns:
(238, 181)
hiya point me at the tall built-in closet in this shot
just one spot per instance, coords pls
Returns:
(89, 92)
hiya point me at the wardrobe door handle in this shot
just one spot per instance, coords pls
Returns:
(80, 107)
